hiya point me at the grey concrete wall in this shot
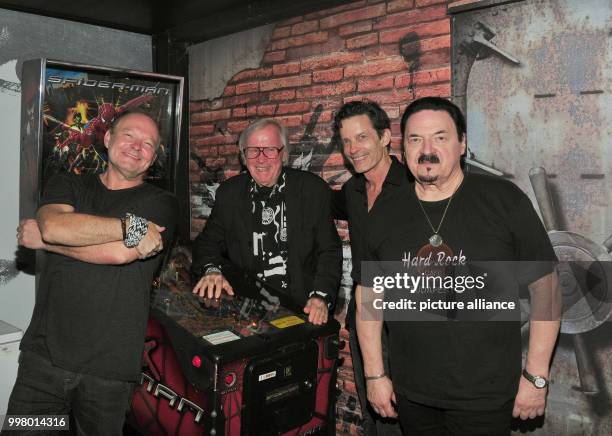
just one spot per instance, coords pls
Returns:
(213, 63)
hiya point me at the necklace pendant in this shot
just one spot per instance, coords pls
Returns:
(435, 240)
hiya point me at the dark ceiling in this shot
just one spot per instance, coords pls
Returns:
(189, 21)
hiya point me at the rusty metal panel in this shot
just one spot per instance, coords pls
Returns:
(534, 77)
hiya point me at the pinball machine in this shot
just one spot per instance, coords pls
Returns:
(244, 365)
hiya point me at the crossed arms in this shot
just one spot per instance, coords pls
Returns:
(88, 238)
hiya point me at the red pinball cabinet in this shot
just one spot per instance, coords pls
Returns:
(247, 365)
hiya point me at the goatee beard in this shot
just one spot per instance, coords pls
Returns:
(427, 180)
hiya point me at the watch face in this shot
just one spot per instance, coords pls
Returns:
(539, 382)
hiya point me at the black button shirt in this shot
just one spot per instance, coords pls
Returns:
(351, 204)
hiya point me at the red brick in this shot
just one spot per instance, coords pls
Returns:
(257, 73)
(362, 41)
(195, 106)
(353, 15)
(274, 56)
(290, 120)
(325, 90)
(425, 45)
(281, 32)
(238, 112)
(355, 98)
(399, 5)
(411, 17)
(335, 159)
(327, 103)
(287, 68)
(332, 75)
(288, 94)
(215, 162)
(205, 117)
(205, 129)
(228, 150)
(237, 126)
(403, 96)
(368, 85)
(266, 110)
(375, 68)
(247, 88)
(436, 58)
(296, 41)
(396, 96)
(229, 91)
(421, 3)
(217, 140)
(440, 27)
(423, 77)
(353, 28)
(229, 173)
(335, 44)
(251, 111)
(205, 151)
(285, 82)
(330, 60)
(215, 104)
(241, 100)
(392, 111)
(396, 127)
(304, 27)
(324, 117)
(442, 90)
(288, 108)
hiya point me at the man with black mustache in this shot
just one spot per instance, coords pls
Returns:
(462, 377)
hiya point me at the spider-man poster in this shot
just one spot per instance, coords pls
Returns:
(79, 106)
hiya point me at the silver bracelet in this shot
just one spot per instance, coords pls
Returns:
(375, 377)
(136, 230)
(212, 270)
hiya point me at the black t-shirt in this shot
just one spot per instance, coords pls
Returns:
(462, 365)
(351, 204)
(91, 318)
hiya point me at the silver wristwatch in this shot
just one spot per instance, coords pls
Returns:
(537, 380)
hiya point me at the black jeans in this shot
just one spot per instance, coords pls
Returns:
(97, 406)
(421, 420)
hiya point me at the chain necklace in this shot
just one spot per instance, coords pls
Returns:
(436, 240)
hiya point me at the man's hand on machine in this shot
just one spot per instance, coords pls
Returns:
(317, 310)
(211, 285)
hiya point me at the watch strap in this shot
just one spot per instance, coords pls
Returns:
(537, 380)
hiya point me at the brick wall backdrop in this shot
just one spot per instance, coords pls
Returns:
(388, 51)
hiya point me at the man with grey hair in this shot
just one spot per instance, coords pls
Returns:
(275, 222)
